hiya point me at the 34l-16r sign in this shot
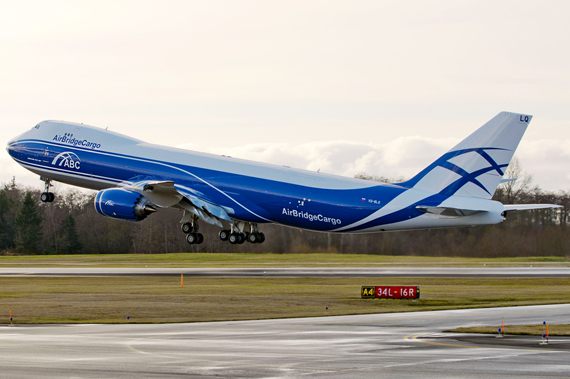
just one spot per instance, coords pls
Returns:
(390, 292)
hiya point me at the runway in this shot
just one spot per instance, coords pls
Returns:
(403, 345)
(376, 272)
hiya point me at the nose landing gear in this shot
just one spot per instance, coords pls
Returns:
(46, 196)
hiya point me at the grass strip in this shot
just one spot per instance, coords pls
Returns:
(268, 260)
(531, 330)
(161, 299)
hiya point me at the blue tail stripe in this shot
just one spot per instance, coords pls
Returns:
(443, 162)
(464, 174)
(455, 186)
(491, 161)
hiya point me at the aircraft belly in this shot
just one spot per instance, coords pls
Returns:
(73, 179)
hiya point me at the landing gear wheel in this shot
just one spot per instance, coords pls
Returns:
(224, 234)
(47, 197)
(241, 238)
(252, 237)
(233, 238)
(260, 237)
(187, 228)
(200, 238)
(192, 238)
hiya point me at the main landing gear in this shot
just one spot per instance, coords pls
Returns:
(236, 236)
(191, 230)
(46, 196)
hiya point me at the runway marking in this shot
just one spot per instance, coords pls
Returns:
(291, 367)
(195, 363)
(411, 313)
(130, 346)
(416, 336)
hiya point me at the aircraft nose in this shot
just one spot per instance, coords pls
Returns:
(11, 146)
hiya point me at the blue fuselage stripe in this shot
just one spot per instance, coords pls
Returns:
(253, 199)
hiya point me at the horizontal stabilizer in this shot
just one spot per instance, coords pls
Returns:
(448, 211)
(527, 207)
(507, 180)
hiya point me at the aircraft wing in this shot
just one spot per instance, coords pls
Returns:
(205, 206)
(164, 187)
(167, 194)
(526, 207)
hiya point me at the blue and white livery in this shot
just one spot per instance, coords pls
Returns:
(135, 179)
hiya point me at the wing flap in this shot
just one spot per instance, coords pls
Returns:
(212, 209)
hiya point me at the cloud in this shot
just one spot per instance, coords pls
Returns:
(402, 157)
(546, 160)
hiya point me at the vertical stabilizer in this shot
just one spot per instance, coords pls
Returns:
(475, 166)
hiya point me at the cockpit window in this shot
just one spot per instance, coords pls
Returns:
(37, 126)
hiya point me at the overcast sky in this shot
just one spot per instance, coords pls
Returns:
(341, 86)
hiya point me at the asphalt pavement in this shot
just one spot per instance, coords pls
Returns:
(403, 345)
(376, 272)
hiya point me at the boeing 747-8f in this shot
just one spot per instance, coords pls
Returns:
(135, 179)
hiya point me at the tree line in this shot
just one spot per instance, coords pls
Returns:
(70, 225)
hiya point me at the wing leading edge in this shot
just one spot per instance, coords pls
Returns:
(168, 194)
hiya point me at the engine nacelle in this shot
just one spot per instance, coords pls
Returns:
(123, 204)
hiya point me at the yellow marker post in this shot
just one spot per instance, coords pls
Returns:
(181, 280)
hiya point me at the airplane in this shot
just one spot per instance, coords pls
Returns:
(136, 179)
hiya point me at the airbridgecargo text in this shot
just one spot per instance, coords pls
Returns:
(76, 142)
(310, 216)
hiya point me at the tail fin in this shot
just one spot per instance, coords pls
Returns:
(475, 166)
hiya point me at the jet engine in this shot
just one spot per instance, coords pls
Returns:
(123, 204)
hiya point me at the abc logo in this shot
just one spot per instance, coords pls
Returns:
(67, 159)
